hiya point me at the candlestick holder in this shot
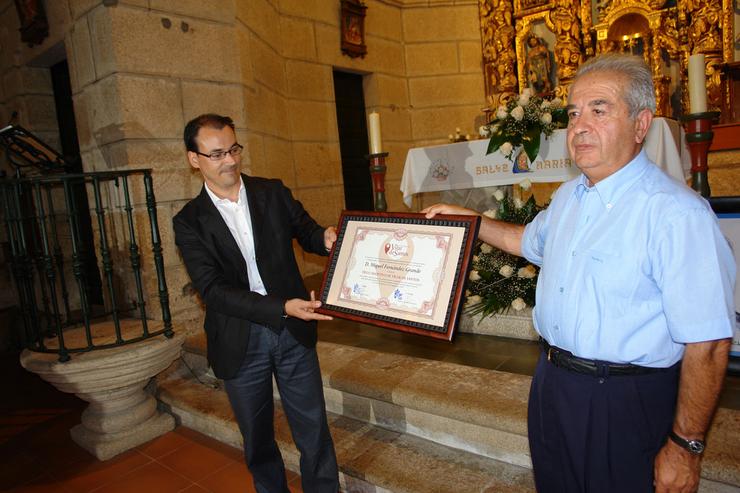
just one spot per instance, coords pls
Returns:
(377, 172)
(699, 137)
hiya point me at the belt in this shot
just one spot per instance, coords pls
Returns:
(567, 361)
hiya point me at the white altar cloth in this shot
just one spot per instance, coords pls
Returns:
(464, 165)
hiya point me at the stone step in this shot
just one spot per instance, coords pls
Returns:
(476, 411)
(371, 458)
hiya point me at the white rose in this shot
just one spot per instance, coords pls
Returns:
(546, 118)
(474, 276)
(486, 248)
(506, 271)
(518, 203)
(517, 113)
(525, 184)
(545, 104)
(523, 100)
(506, 148)
(527, 272)
(518, 304)
(473, 300)
(498, 195)
(556, 103)
(528, 92)
(467, 293)
(501, 113)
(491, 213)
(484, 131)
(475, 259)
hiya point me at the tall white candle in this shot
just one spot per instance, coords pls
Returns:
(373, 125)
(697, 84)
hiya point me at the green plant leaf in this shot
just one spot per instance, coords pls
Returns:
(532, 143)
(496, 141)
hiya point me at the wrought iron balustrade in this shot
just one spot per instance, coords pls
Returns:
(50, 263)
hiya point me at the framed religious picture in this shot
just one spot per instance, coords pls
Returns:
(353, 28)
(728, 213)
(400, 270)
(34, 26)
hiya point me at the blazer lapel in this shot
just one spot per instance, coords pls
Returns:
(212, 223)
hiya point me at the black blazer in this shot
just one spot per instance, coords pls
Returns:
(219, 272)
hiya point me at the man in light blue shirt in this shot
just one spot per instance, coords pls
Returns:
(634, 302)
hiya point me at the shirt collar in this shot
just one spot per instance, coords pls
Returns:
(218, 201)
(611, 188)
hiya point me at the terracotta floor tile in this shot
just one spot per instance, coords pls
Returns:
(153, 477)
(192, 435)
(163, 445)
(234, 477)
(85, 477)
(195, 489)
(195, 461)
(44, 484)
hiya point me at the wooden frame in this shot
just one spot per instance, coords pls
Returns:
(353, 28)
(728, 213)
(400, 270)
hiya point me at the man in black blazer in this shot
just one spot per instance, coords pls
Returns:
(235, 238)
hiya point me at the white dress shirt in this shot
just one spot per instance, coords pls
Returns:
(237, 218)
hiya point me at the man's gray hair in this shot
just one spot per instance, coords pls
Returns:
(639, 93)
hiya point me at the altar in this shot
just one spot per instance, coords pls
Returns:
(462, 167)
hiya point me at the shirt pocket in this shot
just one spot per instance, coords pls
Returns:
(612, 276)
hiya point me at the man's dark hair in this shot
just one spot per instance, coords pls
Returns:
(210, 120)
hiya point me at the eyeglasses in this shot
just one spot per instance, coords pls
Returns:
(235, 150)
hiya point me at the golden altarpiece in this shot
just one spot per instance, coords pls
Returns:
(541, 43)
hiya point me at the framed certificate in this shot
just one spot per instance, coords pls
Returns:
(400, 270)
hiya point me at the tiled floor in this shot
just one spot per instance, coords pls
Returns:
(37, 454)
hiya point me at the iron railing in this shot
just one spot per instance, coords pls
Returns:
(50, 261)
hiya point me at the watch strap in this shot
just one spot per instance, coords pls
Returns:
(695, 447)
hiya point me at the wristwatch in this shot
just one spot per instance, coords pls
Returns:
(696, 447)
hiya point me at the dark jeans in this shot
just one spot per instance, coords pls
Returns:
(590, 434)
(296, 370)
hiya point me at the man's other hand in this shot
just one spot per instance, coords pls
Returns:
(435, 209)
(304, 309)
(330, 236)
(676, 470)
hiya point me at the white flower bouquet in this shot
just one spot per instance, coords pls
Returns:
(499, 281)
(521, 122)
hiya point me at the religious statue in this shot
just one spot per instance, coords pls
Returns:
(538, 66)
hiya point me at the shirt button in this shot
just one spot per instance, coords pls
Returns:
(608, 206)
(557, 327)
(573, 253)
(561, 289)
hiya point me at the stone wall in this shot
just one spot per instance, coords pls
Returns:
(141, 68)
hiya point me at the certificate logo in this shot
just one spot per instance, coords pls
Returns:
(396, 249)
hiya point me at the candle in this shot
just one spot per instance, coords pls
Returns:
(373, 123)
(697, 84)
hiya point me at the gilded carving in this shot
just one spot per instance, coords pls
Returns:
(499, 58)
(663, 33)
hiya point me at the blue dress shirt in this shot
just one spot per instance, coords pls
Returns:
(633, 268)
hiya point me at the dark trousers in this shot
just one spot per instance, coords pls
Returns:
(296, 370)
(589, 434)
